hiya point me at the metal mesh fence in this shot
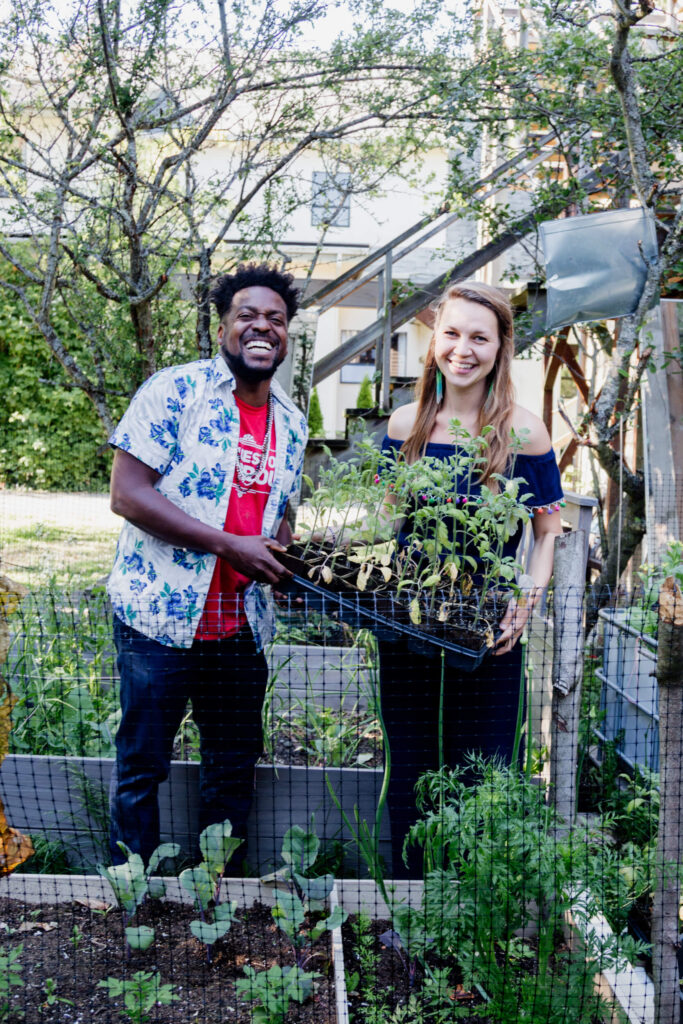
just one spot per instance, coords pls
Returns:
(417, 841)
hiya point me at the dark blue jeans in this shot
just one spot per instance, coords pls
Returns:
(225, 680)
(479, 716)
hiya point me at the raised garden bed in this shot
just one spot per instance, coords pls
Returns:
(71, 938)
(628, 992)
(46, 795)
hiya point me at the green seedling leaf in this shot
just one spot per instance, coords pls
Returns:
(128, 881)
(335, 920)
(225, 911)
(300, 848)
(218, 845)
(156, 888)
(209, 933)
(197, 881)
(315, 889)
(163, 852)
(140, 937)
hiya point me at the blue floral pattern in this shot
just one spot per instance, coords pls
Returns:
(184, 423)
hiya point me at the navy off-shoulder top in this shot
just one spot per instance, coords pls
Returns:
(540, 472)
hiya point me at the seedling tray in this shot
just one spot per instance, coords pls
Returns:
(375, 612)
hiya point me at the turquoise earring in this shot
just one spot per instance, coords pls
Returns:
(439, 386)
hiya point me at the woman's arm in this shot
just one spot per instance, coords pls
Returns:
(545, 528)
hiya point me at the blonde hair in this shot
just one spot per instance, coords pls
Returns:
(498, 406)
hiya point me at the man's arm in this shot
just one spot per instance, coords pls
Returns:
(134, 496)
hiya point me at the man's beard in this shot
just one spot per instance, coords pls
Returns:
(246, 373)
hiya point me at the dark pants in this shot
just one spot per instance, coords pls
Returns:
(479, 715)
(226, 681)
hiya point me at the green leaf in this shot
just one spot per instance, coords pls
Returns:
(209, 933)
(162, 852)
(198, 882)
(218, 845)
(140, 937)
(300, 848)
(317, 889)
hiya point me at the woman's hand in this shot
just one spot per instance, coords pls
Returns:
(511, 626)
(517, 615)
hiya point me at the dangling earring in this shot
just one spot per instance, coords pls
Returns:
(439, 386)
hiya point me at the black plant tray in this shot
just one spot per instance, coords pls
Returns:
(376, 612)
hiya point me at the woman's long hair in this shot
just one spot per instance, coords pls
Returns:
(500, 399)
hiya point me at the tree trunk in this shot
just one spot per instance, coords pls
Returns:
(203, 332)
(569, 574)
(665, 921)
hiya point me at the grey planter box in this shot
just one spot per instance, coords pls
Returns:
(335, 676)
(629, 690)
(46, 795)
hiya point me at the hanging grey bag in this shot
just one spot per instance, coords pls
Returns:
(596, 264)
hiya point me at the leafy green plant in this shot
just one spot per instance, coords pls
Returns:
(51, 997)
(141, 993)
(217, 845)
(328, 736)
(10, 976)
(273, 990)
(496, 861)
(132, 883)
(61, 649)
(305, 892)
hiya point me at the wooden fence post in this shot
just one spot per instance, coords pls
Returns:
(568, 598)
(665, 920)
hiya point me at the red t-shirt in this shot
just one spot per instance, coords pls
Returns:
(224, 609)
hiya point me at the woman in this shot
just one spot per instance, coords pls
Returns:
(466, 377)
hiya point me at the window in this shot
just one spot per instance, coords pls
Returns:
(331, 200)
(364, 364)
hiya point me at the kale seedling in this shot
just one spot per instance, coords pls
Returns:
(204, 882)
(132, 883)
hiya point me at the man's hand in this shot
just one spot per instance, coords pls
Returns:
(252, 557)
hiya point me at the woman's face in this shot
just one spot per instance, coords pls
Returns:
(466, 343)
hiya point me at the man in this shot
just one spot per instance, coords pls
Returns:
(207, 458)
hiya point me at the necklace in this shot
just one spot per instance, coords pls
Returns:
(246, 476)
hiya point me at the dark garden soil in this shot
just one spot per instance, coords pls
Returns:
(77, 946)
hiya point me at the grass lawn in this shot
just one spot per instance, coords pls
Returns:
(64, 538)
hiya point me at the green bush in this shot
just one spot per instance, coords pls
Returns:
(316, 427)
(50, 435)
(365, 398)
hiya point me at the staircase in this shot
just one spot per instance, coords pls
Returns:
(378, 266)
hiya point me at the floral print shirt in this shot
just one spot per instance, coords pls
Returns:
(184, 423)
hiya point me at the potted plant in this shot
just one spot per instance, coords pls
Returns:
(443, 585)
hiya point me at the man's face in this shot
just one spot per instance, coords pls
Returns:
(253, 334)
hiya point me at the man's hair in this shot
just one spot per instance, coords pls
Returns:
(249, 275)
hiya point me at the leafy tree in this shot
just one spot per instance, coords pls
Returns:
(607, 88)
(105, 109)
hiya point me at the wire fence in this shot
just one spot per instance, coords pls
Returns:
(351, 826)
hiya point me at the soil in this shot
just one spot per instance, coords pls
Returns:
(77, 946)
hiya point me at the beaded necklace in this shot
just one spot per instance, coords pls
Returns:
(246, 476)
